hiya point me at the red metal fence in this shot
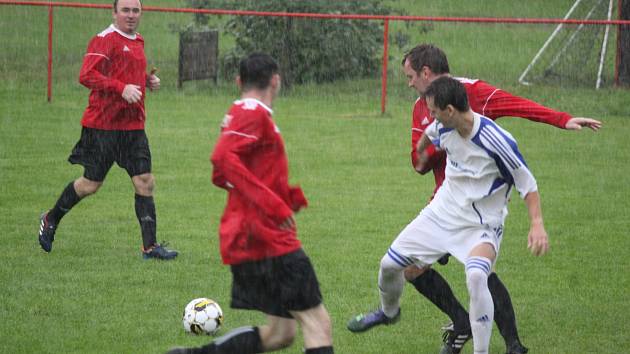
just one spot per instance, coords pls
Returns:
(385, 18)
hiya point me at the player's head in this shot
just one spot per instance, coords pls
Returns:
(259, 71)
(126, 15)
(423, 64)
(446, 97)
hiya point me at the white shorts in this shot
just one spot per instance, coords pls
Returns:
(427, 238)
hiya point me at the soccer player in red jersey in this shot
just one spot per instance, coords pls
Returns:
(114, 69)
(422, 65)
(258, 237)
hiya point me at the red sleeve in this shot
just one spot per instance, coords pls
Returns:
(96, 65)
(420, 121)
(298, 199)
(238, 139)
(493, 103)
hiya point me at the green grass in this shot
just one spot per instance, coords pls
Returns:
(94, 294)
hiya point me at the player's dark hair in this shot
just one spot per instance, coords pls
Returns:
(116, 5)
(427, 55)
(445, 90)
(256, 71)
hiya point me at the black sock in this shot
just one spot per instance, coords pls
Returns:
(436, 289)
(66, 201)
(319, 350)
(145, 211)
(244, 340)
(503, 310)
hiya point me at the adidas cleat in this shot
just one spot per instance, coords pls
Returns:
(46, 232)
(363, 322)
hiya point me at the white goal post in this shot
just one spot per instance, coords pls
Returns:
(524, 80)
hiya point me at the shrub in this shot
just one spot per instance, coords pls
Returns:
(308, 50)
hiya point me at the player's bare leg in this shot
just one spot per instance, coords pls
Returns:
(317, 329)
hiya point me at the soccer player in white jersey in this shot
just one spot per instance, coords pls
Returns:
(467, 214)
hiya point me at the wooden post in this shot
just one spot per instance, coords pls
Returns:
(622, 69)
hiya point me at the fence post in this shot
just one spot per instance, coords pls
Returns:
(385, 58)
(622, 67)
(50, 50)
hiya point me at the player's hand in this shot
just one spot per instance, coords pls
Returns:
(577, 123)
(288, 223)
(153, 82)
(537, 240)
(132, 93)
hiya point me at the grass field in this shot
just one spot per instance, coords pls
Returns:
(94, 293)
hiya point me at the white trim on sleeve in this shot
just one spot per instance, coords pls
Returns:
(234, 132)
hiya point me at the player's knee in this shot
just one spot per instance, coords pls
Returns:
(84, 187)
(475, 279)
(388, 265)
(413, 271)
(280, 338)
(477, 270)
(144, 184)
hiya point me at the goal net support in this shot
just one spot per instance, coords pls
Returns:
(575, 55)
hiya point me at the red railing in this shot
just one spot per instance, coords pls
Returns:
(384, 18)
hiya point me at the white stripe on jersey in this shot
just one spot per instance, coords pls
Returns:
(107, 31)
(465, 80)
(493, 140)
(510, 162)
(97, 54)
(234, 132)
(252, 103)
(483, 110)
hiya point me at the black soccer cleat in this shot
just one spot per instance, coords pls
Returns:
(444, 259)
(46, 232)
(454, 341)
(159, 251)
(516, 348)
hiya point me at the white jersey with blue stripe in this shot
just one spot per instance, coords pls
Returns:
(480, 172)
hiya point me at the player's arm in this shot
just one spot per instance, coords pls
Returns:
(93, 73)
(537, 239)
(432, 156)
(427, 148)
(422, 163)
(494, 103)
(227, 163)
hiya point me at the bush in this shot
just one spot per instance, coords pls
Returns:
(308, 50)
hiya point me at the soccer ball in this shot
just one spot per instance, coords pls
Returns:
(202, 316)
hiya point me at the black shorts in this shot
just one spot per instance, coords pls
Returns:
(97, 150)
(276, 285)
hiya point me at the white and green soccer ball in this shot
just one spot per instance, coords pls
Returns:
(202, 316)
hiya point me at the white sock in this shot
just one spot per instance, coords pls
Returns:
(391, 281)
(481, 306)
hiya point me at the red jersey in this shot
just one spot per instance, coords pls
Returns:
(113, 60)
(488, 101)
(250, 162)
